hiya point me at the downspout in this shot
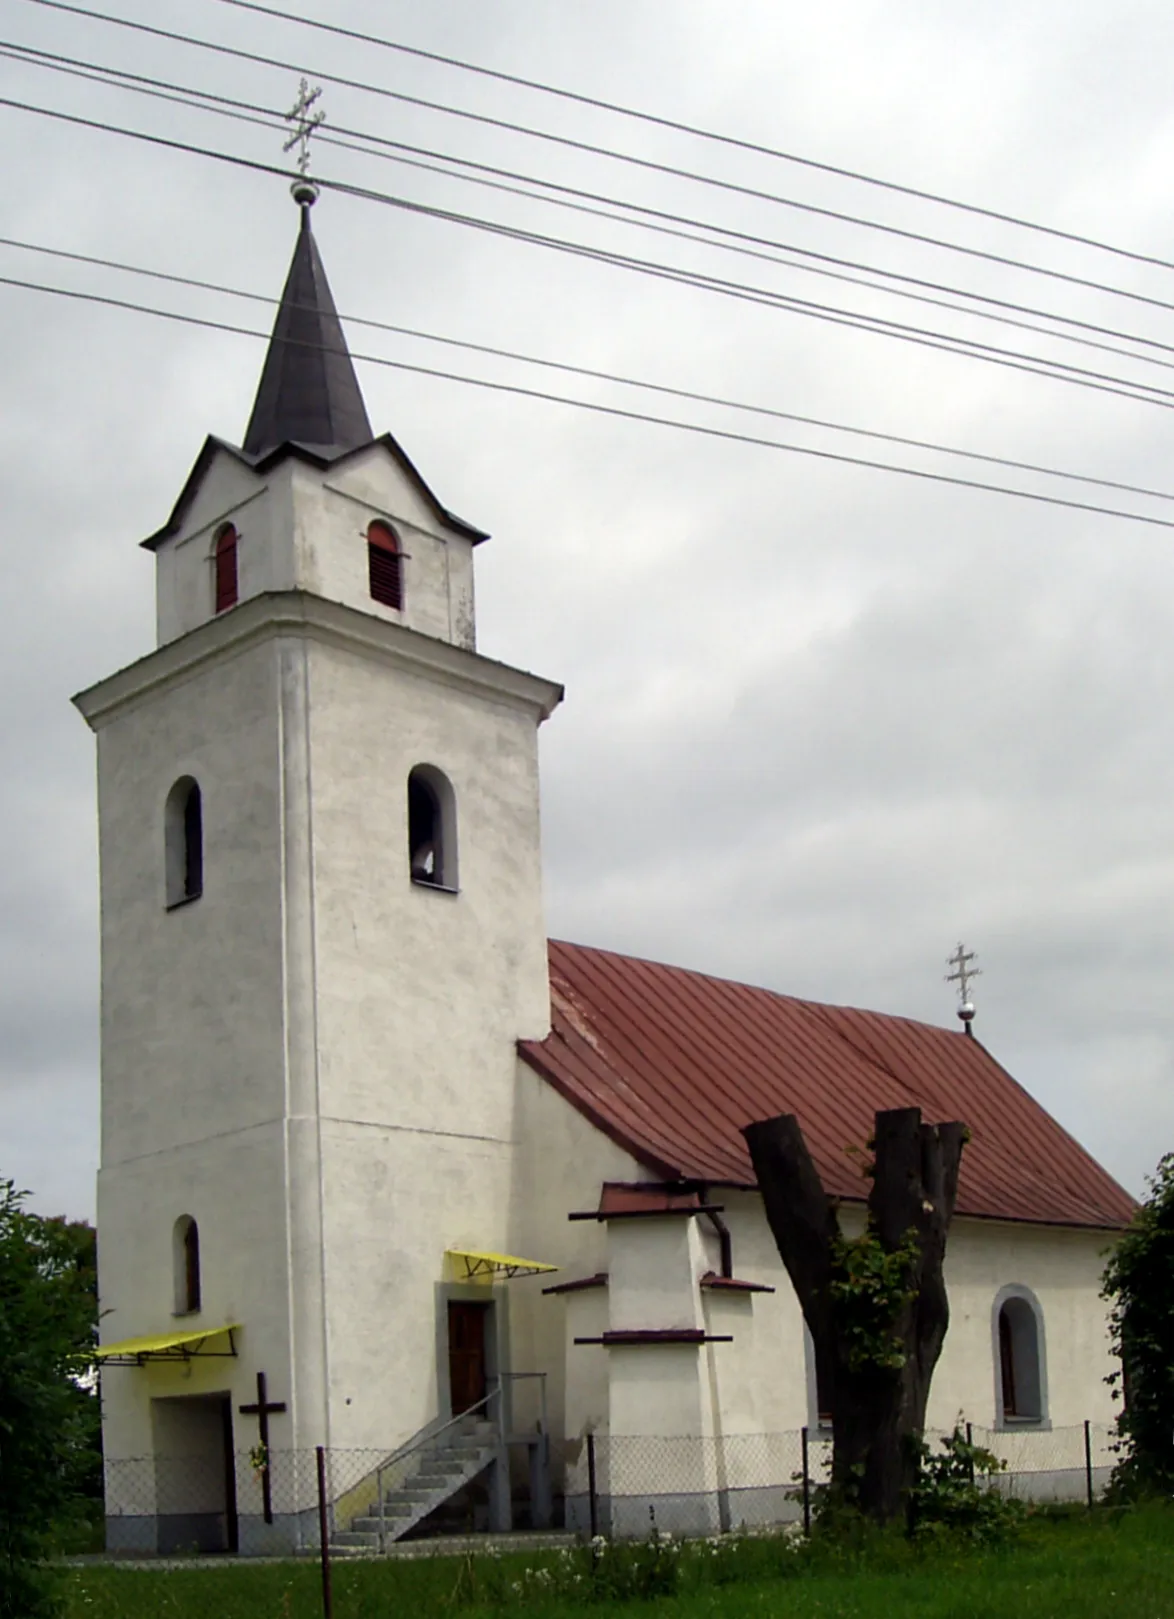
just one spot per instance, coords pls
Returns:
(723, 1237)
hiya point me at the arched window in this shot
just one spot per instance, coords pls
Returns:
(432, 828)
(225, 564)
(385, 566)
(1020, 1361)
(185, 1258)
(184, 842)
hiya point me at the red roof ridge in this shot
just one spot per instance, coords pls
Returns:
(943, 1029)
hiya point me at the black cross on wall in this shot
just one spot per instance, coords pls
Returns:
(262, 1410)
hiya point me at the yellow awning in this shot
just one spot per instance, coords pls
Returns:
(170, 1346)
(474, 1266)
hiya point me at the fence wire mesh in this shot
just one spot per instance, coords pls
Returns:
(267, 1504)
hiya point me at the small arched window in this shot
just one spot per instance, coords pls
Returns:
(185, 1258)
(225, 566)
(385, 566)
(432, 828)
(1021, 1365)
(184, 842)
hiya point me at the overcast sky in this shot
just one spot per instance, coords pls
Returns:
(821, 721)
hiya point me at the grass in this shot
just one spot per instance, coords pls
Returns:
(1060, 1567)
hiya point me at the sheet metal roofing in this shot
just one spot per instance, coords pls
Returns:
(670, 1064)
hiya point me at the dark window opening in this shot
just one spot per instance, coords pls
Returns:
(1007, 1365)
(186, 1256)
(225, 562)
(184, 842)
(1021, 1361)
(425, 833)
(385, 567)
(432, 828)
(193, 844)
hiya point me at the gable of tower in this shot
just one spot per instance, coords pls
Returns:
(303, 522)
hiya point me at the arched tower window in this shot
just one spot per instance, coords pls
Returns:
(1020, 1361)
(184, 842)
(385, 566)
(185, 1257)
(432, 828)
(225, 566)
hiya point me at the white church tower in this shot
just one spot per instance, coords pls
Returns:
(322, 937)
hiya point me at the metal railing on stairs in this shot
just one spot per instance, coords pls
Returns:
(404, 1470)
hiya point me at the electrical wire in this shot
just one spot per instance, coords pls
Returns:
(738, 143)
(726, 435)
(969, 348)
(735, 241)
(648, 164)
(593, 374)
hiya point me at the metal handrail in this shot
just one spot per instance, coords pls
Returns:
(427, 1435)
(508, 1405)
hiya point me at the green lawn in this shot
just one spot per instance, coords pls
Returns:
(1059, 1568)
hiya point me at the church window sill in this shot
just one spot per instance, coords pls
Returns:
(436, 888)
(188, 899)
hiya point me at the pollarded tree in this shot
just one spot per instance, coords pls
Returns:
(1139, 1285)
(875, 1304)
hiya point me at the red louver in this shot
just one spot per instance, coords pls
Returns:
(385, 567)
(226, 589)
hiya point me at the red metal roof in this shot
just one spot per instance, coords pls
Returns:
(670, 1064)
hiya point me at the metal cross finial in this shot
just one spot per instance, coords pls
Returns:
(305, 123)
(962, 975)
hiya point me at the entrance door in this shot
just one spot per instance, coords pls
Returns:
(466, 1353)
(195, 1480)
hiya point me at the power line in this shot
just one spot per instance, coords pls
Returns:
(595, 375)
(598, 151)
(724, 434)
(969, 348)
(736, 241)
(734, 141)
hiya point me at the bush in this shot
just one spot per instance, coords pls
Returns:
(1139, 1285)
(956, 1494)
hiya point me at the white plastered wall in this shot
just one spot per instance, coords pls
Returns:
(195, 1076)
(561, 1162)
(301, 527)
(762, 1382)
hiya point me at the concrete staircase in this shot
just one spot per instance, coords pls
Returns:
(404, 1494)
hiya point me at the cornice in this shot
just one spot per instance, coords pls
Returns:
(279, 614)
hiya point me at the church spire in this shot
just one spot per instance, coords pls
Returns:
(308, 394)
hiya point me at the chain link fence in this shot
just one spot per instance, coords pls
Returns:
(624, 1485)
(280, 1503)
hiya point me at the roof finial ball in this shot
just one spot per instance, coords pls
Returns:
(304, 191)
(964, 971)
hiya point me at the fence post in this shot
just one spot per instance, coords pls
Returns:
(592, 1496)
(806, 1486)
(324, 1535)
(970, 1444)
(382, 1512)
(1088, 1461)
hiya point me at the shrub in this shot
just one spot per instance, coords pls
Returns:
(956, 1494)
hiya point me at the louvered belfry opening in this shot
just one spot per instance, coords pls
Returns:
(385, 566)
(226, 585)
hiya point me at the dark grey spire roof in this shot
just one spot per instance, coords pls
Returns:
(308, 394)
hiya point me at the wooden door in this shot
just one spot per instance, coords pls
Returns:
(466, 1353)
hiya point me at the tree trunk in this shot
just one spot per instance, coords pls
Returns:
(878, 1394)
